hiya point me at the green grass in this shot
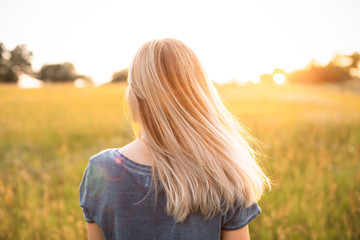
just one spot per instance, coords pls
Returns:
(311, 136)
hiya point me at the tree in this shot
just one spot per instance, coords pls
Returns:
(7, 75)
(61, 72)
(355, 58)
(120, 76)
(266, 79)
(2, 50)
(18, 61)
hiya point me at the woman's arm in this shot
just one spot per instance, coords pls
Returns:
(95, 232)
(240, 234)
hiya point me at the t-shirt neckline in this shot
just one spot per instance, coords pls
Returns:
(134, 165)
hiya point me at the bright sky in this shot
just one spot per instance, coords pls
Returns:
(233, 39)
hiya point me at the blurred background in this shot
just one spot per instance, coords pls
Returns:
(289, 70)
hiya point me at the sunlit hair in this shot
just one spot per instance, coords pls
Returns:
(201, 153)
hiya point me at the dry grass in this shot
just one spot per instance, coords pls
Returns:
(311, 135)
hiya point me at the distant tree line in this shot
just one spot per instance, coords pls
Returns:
(18, 61)
(60, 72)
(15, 62)
(339, 69)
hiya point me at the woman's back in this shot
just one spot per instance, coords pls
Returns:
(117, 193)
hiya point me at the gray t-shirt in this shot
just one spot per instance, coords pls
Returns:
(114, 193)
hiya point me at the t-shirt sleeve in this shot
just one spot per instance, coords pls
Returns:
(83, 192)
(238, 217)
(87, 215)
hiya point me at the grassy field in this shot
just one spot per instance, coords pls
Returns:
(311, 136)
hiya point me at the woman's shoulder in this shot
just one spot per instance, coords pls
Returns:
(101, 163)
(103, 156)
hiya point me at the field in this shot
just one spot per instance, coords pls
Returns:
(311, 136)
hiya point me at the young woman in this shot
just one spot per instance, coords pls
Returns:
(190, 173)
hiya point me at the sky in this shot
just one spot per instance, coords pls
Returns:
(233, 39)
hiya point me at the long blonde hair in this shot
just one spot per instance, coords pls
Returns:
(201, 153)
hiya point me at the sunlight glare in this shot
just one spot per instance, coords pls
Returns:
(355, 72)
(79, 83)
(255, 80)
(279, 78)
(344, 61)
(26, 81)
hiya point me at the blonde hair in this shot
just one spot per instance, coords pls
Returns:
(200, 153)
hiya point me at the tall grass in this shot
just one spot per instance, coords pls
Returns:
(311, 136)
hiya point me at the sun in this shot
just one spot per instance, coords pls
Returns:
(279, 78)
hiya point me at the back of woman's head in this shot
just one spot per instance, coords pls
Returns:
(200, 153)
